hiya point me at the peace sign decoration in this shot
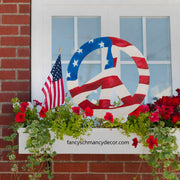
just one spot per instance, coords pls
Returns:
(108, 79)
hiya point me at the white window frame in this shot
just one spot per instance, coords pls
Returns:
(109, 11)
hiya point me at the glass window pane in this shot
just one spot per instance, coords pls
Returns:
(160, 81)
(87, 72)
(130, 77)
(131, 31)
(89, 28)
(158, 38)
(64, 74)
(62, 35)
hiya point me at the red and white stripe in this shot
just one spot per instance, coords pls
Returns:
(54, 93)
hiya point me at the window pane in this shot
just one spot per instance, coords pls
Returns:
(87, 72)
(89, 28)
(131, 31)
(64, 72)
(160, 81)
(62, 35)
(158, 38)
(130, 77)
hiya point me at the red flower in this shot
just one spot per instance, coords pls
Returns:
(43, 111)
(175, 117)
(151, 141)
(109, 117)
(135, 113)
(135, 142)
(23, 106)
(168, 101)
(20, 117)
(140, 109)
(178, 91)
(143, 108)
(88, 111)
(76, 110)
(165, 111)
(154, 117)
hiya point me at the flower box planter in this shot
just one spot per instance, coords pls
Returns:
(100, 141)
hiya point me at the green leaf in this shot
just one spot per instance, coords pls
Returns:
(7, 138)
(23, 168)
(9, 147)
(13, 135)
(12, 157)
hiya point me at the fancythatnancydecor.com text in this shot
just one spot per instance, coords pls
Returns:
(101, 143)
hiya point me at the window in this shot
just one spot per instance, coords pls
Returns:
(151, 35)
(154, 31)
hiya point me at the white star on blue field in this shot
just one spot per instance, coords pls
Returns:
(84, 50)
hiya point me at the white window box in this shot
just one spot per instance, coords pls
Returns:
(100, 141)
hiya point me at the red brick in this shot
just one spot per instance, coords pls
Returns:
(6, 97)
(15, 41)
(16, 1)
(6, 131)
(123, 157)
(106, 167)
(24, 75)
(138, 167)
(6, 120)
(7, 52)
(122, 177)
(24, 8)
(70, 167)
(15, 19)
(88, 177)
(24, 52)
(7, 75)
(8, 30)
(13, 176)
(148, 177)
(4, 143)
(89, 157)
(15, 63)
(57, 177)
(15, 86)
(25, 30)
(62, 157)
(7, 108)
(8, 8)
(5, 166)
(24, 97)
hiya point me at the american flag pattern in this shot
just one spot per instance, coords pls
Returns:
(108, 78)
(54, 88)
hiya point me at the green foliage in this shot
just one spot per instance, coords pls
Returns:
(139, 125)
(161, 158)
(63, 121)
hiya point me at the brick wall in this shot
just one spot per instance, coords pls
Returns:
(15, 81)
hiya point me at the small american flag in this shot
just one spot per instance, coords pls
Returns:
(53, 88)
